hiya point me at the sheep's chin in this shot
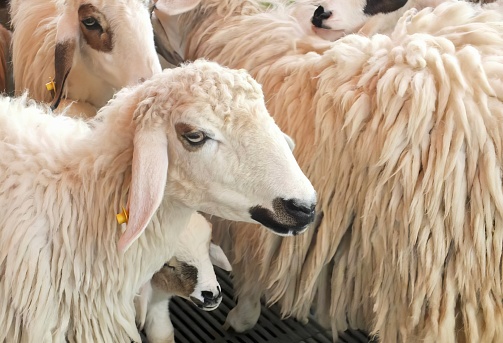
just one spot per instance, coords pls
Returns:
(202, 306)
(289, 233)
(282, 221)
(328, 34)
(209, 308)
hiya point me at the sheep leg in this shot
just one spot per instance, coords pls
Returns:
(158, 326)
(246, 313)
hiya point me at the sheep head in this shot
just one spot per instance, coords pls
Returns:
(226, 155)
(334, 19)
(111, 40)
(189, 274)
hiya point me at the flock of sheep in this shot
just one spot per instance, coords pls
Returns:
(396, 109)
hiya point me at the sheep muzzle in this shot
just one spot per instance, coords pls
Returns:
(289, 217)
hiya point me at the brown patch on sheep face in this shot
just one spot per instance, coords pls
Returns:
(95, 28)
(191, 138)
(177, 278)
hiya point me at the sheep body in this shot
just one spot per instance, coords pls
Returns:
(62, 180)
(390, 129)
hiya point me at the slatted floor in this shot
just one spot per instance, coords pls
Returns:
(193, 325)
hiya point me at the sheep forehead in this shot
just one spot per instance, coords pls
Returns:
(120, 11)
(230, 95)
(102, 4)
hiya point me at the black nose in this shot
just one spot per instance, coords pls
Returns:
(319, 15)
(296, 209)
(210, 297)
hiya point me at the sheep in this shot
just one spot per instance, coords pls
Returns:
(67, 273)
(90, 49)
(390, 129)
(333, 19)
(189, 274)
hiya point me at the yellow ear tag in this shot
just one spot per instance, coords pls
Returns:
(122, 217)
(51, 86)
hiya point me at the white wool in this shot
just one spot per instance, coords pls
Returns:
(401, 137)
(194, 249)
(95, 76)
(62, 181)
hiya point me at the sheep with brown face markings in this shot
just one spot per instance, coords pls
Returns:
(91, 48)
(189, 274)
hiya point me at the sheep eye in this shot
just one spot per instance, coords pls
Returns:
(91, 23)
(195, 137)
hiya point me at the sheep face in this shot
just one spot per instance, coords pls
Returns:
(108, 42)
(249, 172)
(334, 18)
(189, 274)
(227, 156)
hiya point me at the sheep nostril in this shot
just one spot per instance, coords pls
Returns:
(208, 296)
(319, 15)
(326, 15)
(294, 207)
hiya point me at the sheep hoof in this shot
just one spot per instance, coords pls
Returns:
(239, 322)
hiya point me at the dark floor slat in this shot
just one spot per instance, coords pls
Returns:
(193, 325)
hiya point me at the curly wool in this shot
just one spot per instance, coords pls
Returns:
(401, 136)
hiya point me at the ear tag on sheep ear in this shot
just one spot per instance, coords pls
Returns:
(123, 216)
(51, 87)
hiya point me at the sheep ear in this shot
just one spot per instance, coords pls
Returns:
(174, 7)
(289, 141)
(63, 60)
(218, 258)
(149, 174)
(66, 40)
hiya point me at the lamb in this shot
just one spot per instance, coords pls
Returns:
(401, 136)
(67, 274)
(189, 274)
(90, 48)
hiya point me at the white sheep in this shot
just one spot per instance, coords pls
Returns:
(91, 49)
(65, 273)
(401, 136)
(189, 274)
(333, 19)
